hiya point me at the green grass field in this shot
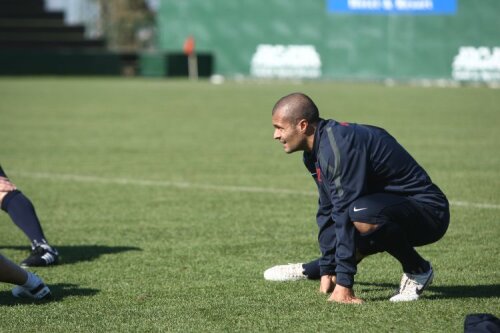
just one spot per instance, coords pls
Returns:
(168, 199)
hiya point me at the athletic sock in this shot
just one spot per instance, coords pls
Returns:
(391, 238)
(32, 282)
(22, 213)
(311, 269)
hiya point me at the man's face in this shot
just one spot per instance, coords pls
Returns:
(291, 135)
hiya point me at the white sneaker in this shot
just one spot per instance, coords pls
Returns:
(290, 272)
(412, 285)
(41, 291)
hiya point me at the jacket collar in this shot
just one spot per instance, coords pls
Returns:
(317, 134)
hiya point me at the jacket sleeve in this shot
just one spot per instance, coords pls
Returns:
(326, 237)
(345, 166)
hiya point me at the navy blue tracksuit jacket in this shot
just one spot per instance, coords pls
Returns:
(349, 161)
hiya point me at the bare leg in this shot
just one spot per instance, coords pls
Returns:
(12, 273)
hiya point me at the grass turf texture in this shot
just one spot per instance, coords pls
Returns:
(154, 193)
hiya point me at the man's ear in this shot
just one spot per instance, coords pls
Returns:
(303, 124)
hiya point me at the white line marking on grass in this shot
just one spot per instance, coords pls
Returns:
(473, 205)
(158, 183)
(187, 185)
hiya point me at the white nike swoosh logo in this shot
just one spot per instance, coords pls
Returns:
(358, 209)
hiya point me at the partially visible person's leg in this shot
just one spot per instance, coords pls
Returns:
(23, 214)
(27, 284)
(11, 273)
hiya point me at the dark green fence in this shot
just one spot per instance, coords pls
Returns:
(348, 46)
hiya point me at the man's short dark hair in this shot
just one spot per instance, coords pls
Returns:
(298, 106)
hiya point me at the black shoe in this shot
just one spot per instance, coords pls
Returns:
(42, 255)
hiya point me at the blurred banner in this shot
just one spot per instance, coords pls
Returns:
(413, 7)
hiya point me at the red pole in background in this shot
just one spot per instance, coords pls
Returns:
(189, 51)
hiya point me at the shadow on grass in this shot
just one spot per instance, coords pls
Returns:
(442, 292)
(71, 254)
(483, 291)
(59, 292)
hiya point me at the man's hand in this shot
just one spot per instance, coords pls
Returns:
(6, 185)
(344, 295)
(327, 284)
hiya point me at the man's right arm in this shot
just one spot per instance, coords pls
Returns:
(326, 231)
(326, 236)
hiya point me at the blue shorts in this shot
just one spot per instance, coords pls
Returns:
(423, 224)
